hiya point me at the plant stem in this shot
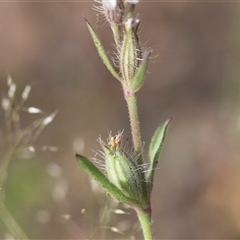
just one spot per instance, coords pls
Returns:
(135, 125)
(136, 136)
(145, 220)
(10, 223)
(6, 160)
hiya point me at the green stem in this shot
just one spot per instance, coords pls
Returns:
(145, 220)
(135, 125)
(10, 223)
(6, 160)
(136, 137)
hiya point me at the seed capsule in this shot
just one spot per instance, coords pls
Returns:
(121, 169)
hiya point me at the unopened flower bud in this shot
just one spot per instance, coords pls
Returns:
(113, 11)
(9, 80)
(6, 104)
(34, 110)
(49, 119)
(12, 90)
(26, 92)
(130, 52)
(133, 1)
(110, 4)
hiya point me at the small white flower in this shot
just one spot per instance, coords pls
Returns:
(9, 80)
(83, 210)
(116, 230)
(31, 149)
(66, 216)
(133, 1)
(6, 104)
(110, 4)
(34, 110)
(12, 90)
(48, 119)
(120, 211)
(26, 92)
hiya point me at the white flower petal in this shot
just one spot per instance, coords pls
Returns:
(110, 4)
(26, 92)
(12, 90)
(34, 110)
(9, 80)
(133, 1)
(6, 104)
(48, 119)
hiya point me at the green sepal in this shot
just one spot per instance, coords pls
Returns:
(123, 172)
(116, 34)
(101, 51)
(155, 149)
(101, 179)
(138, 79)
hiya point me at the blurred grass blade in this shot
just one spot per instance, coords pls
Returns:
(101, 179)
(155, 149)
(138, 79)
(101, 51)
(10, 223)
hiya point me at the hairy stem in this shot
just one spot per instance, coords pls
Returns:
(135, 124)
(145, 220)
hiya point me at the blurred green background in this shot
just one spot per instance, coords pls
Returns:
(194, 76)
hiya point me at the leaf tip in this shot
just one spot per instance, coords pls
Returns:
(78, 156)
(147, 54)
(169, 120)
(87, 22)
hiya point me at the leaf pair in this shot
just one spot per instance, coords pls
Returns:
(155, 149)
(101, 179)
(137, 81)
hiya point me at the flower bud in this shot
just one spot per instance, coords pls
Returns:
(133, 1)
(110, 4)
(113, 11)
(121, 169)
(26, 92)
(130, 52)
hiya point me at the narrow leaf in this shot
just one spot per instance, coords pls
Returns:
(101, 179)
(138, 79)
(101, 51)
(155, 149)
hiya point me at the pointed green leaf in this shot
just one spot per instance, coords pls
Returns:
(138, 79)
(101, 179)
(101, 51)
(155, 149)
